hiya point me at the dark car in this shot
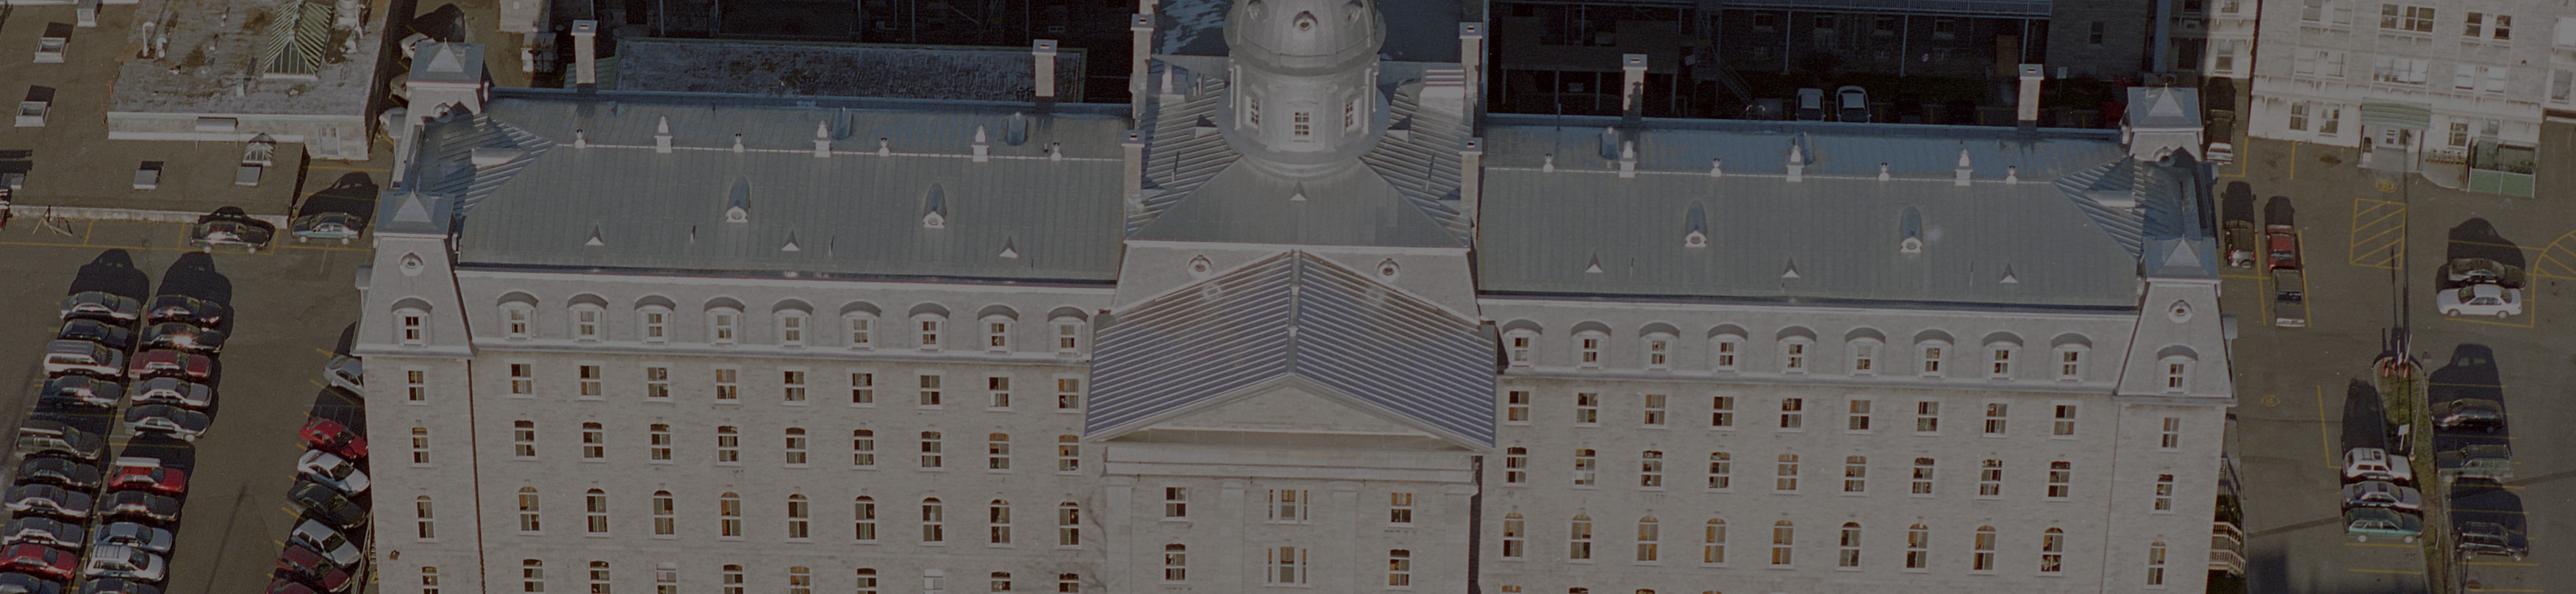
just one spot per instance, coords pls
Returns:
(153, 479)
(103, 306)
(2469, 413)
(321, 502)
(42, 561)
(44, 531)
(172, 420)
(141, 505)
(50, 501)
(229, 226)
(51, 436)
(27, 583)
(306, 565)
(184, 336)
(2490, 538)
(171, 390)
(88, 391)
(111, 585)
(331, 436)
(115, 336)
(182, 308)
(171, 363)
(69, 474)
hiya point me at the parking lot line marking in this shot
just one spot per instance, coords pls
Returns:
(324, 248)
(2380, 544)
(326, 352)
(2555, 260)
(2502, 563)
(316, 383)
(310, 166)
(2505, 590)
(2451, 385)
(2323, 438)
(2394, 571)
(2242, 276)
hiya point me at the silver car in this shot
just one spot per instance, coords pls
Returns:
(125, 562)
(339, 549)
(101, 305)
(2382, 494)
(171, 390)
(162, 418)
(130, 534)
(326, 468)
(44, 531)
(330, 225)
(49, 500)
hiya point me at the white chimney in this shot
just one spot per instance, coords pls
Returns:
(662, 135)
(1140, 48)
(1716, 167)
(1044, 50)
(585, 52)
(1471, 185)
(822, 139)
(1628, 158)
(1131, 153)
(982, 150)
(2028, 115)
(1471, 58)
(1632, 87)
(1882, 171)
(1797, 163)
(1964, 169)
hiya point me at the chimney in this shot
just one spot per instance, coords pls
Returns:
(1716, 167)
(1471, 185)
(1797, 163)
(2028, 116)
(1963, 169)
(822, 139)
(1140, 29)
(983, 152)
(585, 52)
(662, 135)
(1632, 88)
(1471, 57)
(1628, 159)
(1044, 50)
(1132, 175)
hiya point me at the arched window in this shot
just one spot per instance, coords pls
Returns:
(1985, 549)
(867, 581)
(927, 327)
(1999, 358)
(1847, 548)
(1176, 562)
(997, 521)
(653, 323)
(1918, 547)
(1649, 540)
(2177, 370)
(2071, 349)
(1864, 355)
(1712, 542)
(1579, 538)
(518, 316)
(2052, 551)
(1399, 569)
(428, 523)
(599, 577)
(589, 318)
(1795, 352)
(724, 324)
(528, 510)
(863, 517)
(594, 512)
(2156, 564)
(1515, 536)
(411, 325)
(997, 452)
(733, 579)
(934, 521)
(1783, 537)
(665, 517)
(729, 515)
(1990, 478)
(800, 517)
(532, 576)
(1520, 346)
(997, 332)
(792, 325)
(800, 580)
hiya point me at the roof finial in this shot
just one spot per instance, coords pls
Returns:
(884, 149)
(1549, 164)
(1716, 167)
(1964, 169)
(737, 142)
(822, 139)
(982, 153)
(580, 139)
(662, 135)
(2012, 174)
(1797, 163)
(1055, 151)
(1882, 171)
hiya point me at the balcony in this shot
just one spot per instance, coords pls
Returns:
(2226, 548)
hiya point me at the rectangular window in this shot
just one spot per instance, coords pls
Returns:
(1585, 467)
(2299, 115)
(863, 388)
(1068, 337)
(1288, 506)
(997, 452)
(1587, 408)
(523, 379)
(1650, 472)
(1516, 407)
(2474, 27)
(2460, 131)
(2164, 493)
(427, 523)
(1176, 503)
(795, 447)
(594, 442)
(1785, 478)
(665, 519)
(1782, 538)
(1068, 394)
(2064, 425)
(2170, 436)
(1520, 349)
(997, 336)
(659, 440)
(2399, 17)
(929, 335)
(791, 385)
(861, 330)
(931, 457)
(1287, 565)
(1721, 471)
(2094, 36)
(1399, 509)
(929, 394)
(523, 439)
(1793, 357)
(1864, 358)
(657, 382)
(1724, 350)
(515, 318)
(1587, 350)
(863, 449)
(721, 326)
(419, 446)
(1927, 417)
(1654, 410)
(428, 580)
(1515, 536)
(1515, 466)
(1659, 353)
(1995, 417)
(2001, 362)
(1931, 361)
(1990, 478)
(1068, 454)
(1793, 413)
(2495, 78)
(1855, 474)
(416, 385)
(1858, 420)
(1721, 412)
(728, 384)
(1176, 563)
(998, 389)
(657, 326)
(2061, 479)
(585, 324)
(1922, 483)
(2156, 564)
(728, 445)
(2503, 30)
(1918, 547)
(2070, 364)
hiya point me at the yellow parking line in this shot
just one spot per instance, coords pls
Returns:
(2505, 590)
(2323, 439)
(310, 166)
(2242, 277)
(2394, 571)
(2496, 245)
(86, 229)
(319, 350)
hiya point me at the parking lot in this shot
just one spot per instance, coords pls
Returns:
(2372, 246)
(291, 307)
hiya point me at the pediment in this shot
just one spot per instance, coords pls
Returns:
(1289, 406)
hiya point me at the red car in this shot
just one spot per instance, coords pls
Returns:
(155, 479)
(43, 560)
(331, 436)
(171, 363)
(2281, 243)
(300, 562)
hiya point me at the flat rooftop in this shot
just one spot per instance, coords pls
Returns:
(825, 69)
(299, 57)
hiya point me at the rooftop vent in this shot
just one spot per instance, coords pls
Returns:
(2009, 278)
(982, 150)
(1716, 167)
(934, 206)
(493, 156)
(790, 244)
(1595, 266)
(1792, 270)
(1909, 226)
(1609, 142)
(1964, 169)
(1016, 131)
(1009, 250)
(1696, 223)
(662, 135)
(594, 240)
(738, 201)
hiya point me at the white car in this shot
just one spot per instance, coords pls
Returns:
(2374, 464)
(125, 562)
(328, 469)
(2220, 153)
(330, 543)
(2483, 299)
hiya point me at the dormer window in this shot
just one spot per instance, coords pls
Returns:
(997, 333)
(1864, 356)
(1794, 353)
(1302, 125)
(2070, 363)
(927, 328)
(1725, 350)
(586, 321)
(1517, 346)
(1931, 356)
(1068, 335)
(2177, 373)
(1999, 359)
(1587, 348)
(411, 326)
(516, 319)
(1659, 351)
(653, 323)
(724, 325)
(791, 327)
(860, 326)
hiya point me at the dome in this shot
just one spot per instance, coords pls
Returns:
(1304, 35)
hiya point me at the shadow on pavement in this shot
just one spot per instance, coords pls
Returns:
(112, 272)
(2477, 238)
(2365, 423)
(2471, 373)
(2237, 202)
(2277, 211)
(348, 339)
(354, 193)
(194, 276)
(2487, 501)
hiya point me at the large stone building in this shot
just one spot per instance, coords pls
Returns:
(2451, 81)
(1295, 319)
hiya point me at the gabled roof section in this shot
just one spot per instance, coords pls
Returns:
(2163, 108)
(1294, 316)
(298, 33)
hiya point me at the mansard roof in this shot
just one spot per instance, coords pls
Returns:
(1294, 316)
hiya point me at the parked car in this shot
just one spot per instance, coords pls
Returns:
(2482, 299)
(109, 585)
(2220, 153)
(230, 227)
(329, 225)
(130, 534)
(182, 308)
(152, 479)
(2492, 462)
(185, 337)
(27, 583)
(329, 542)
(126, 562)
(141, 505)
(38, 436)
(42, 561)
(177, 422)
(171, 390)
(84, 358)
(329, 469)
(346, 372)
(113, 336)
(2490, 538)
(1811, 105)
(2241, 242)
(2374, 464)
(45, 531)
(2366, 522)
(331, 436)
(1852, 103)
(86, 390)
(103, 306)
(321, 502)
(2382, 494)
(171, 363)
(2281, 243)
(2470, 271)
(304, 564)
(2469, 413)
(51, 501)
(69, 474)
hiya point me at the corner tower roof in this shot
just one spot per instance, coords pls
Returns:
(1304, 36)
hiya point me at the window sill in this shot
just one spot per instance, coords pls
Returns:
(794, 403)
(863, 405)
(997, 409)
(863, 468)
(1069, 411)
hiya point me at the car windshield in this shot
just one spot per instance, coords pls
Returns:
(340, 472)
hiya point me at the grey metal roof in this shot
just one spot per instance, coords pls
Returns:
(1196, 189)
(1835, 236)
(853, 213)
(839, 69)
(1294, 316)
(2163, 108)
(2027, 8)
(1416, 31)
(448, 62)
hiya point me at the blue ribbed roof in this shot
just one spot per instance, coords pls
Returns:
(1294, 316)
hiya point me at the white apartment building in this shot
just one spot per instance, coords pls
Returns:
(2420, 79)
(1291, 323)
